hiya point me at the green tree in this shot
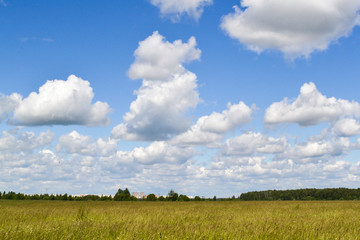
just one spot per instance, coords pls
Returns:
(151, 197)
(172, 195)
(123, 195)
(64, 197)
(183, 198)
(197, 198)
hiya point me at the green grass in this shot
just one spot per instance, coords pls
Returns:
(179, 220)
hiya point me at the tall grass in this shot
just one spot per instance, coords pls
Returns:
(179, 220)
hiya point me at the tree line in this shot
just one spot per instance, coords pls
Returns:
(303, 194)
(121, 195)
(269, 195)
(64, 197)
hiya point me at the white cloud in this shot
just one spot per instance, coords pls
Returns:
(337, 166)
(267, 162)
(16, 140)
(27, 159)
(296, 28)
(347, 127)
(253, 173)
(76, 143)
(211, 129)
(177, 8)
(195, 136)
(62, 102)
(318, 150)
(8, 104)
(157, 113)
(251, 143)
(162, 152)
(82, 164)
(313, 149)
(279, 165)
(157, 59)
(156, 158)
(168, 91)
(235, 115)
(310, 108)
(22, 162)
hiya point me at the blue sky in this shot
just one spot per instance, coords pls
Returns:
(205, 97)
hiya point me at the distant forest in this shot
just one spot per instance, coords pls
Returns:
(303, 194)
(121, 195)
(269, 195)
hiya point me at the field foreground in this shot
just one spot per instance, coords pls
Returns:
(179, 220)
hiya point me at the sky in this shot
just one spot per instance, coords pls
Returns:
(205, 97)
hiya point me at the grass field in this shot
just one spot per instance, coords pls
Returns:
(179, 220)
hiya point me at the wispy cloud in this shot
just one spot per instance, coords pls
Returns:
(47, 40)
(27, 39)
(177, 8)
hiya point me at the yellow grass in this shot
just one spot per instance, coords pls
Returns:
(179, 220)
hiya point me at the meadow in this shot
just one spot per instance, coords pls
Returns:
(180, 220)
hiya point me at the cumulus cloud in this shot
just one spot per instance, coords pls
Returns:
(167, 92)
(347, 127)
(268, 162)
(156, 156)
(195, 136)
(27, 159)
(74, 142)
(161, 152)
(318, 150)
(178, 8)
(8, 104)
(211, 129)
(235, 115)
(62, 102)
(251, 143)
(337, 166)
(16, 140)
(310, 108)
(285, 174)
(296, 28)
(158, 110)
(157, 59)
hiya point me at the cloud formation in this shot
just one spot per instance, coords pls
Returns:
(212, 129)
(315, 150)
(74, 142)
(16, 140)
(157, 59)
(251, 143)
(167, 92)
(347, 127)
(177, 8)
(296, 28)
(81, 164)
(161, 152)
(8, 104)
(310, 108)
(62, 102)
